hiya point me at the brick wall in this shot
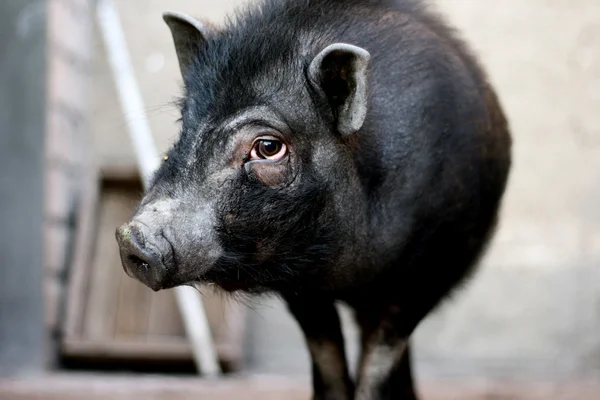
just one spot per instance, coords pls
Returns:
(67, 147)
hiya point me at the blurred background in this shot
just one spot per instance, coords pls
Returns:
(527, 326)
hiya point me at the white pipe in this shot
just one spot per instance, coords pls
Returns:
(189, 301)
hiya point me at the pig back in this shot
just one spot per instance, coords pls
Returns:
(433, 155)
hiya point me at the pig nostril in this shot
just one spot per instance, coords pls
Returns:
(138, 262)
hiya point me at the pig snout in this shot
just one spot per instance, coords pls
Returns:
(143, 254)
(169, 243)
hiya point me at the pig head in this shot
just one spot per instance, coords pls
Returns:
(252, 195)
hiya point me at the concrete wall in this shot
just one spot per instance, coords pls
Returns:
(534, 308)
(535, 304)
(22, 125)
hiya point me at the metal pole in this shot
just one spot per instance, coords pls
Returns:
(189, 302)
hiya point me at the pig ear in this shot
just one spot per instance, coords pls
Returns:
(340, 71)
(189, 35)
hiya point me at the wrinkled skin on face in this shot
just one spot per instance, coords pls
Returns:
(251, 223)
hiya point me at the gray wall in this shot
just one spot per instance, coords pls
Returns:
(22, 121)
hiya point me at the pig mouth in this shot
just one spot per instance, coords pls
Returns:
(235, 286)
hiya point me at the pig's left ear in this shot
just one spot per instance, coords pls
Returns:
(340, 71)
(189, 35)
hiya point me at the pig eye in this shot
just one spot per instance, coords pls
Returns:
(268, 149)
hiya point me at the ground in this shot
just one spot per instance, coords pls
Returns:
(121, 387)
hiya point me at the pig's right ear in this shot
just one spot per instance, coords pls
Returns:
(340, 72)
(189, 35)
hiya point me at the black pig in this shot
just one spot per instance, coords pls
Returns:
(330, 150)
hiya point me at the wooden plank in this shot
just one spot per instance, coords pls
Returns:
(113, 309)
(164, 318)
(133, 298)
(165, 349)
(82, 254)
(133, 310)
(120, 173)
(102, 304)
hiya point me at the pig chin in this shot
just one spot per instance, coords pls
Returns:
(235, 286)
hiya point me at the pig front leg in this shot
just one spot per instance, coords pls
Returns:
(320, 323)
(384, 369)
